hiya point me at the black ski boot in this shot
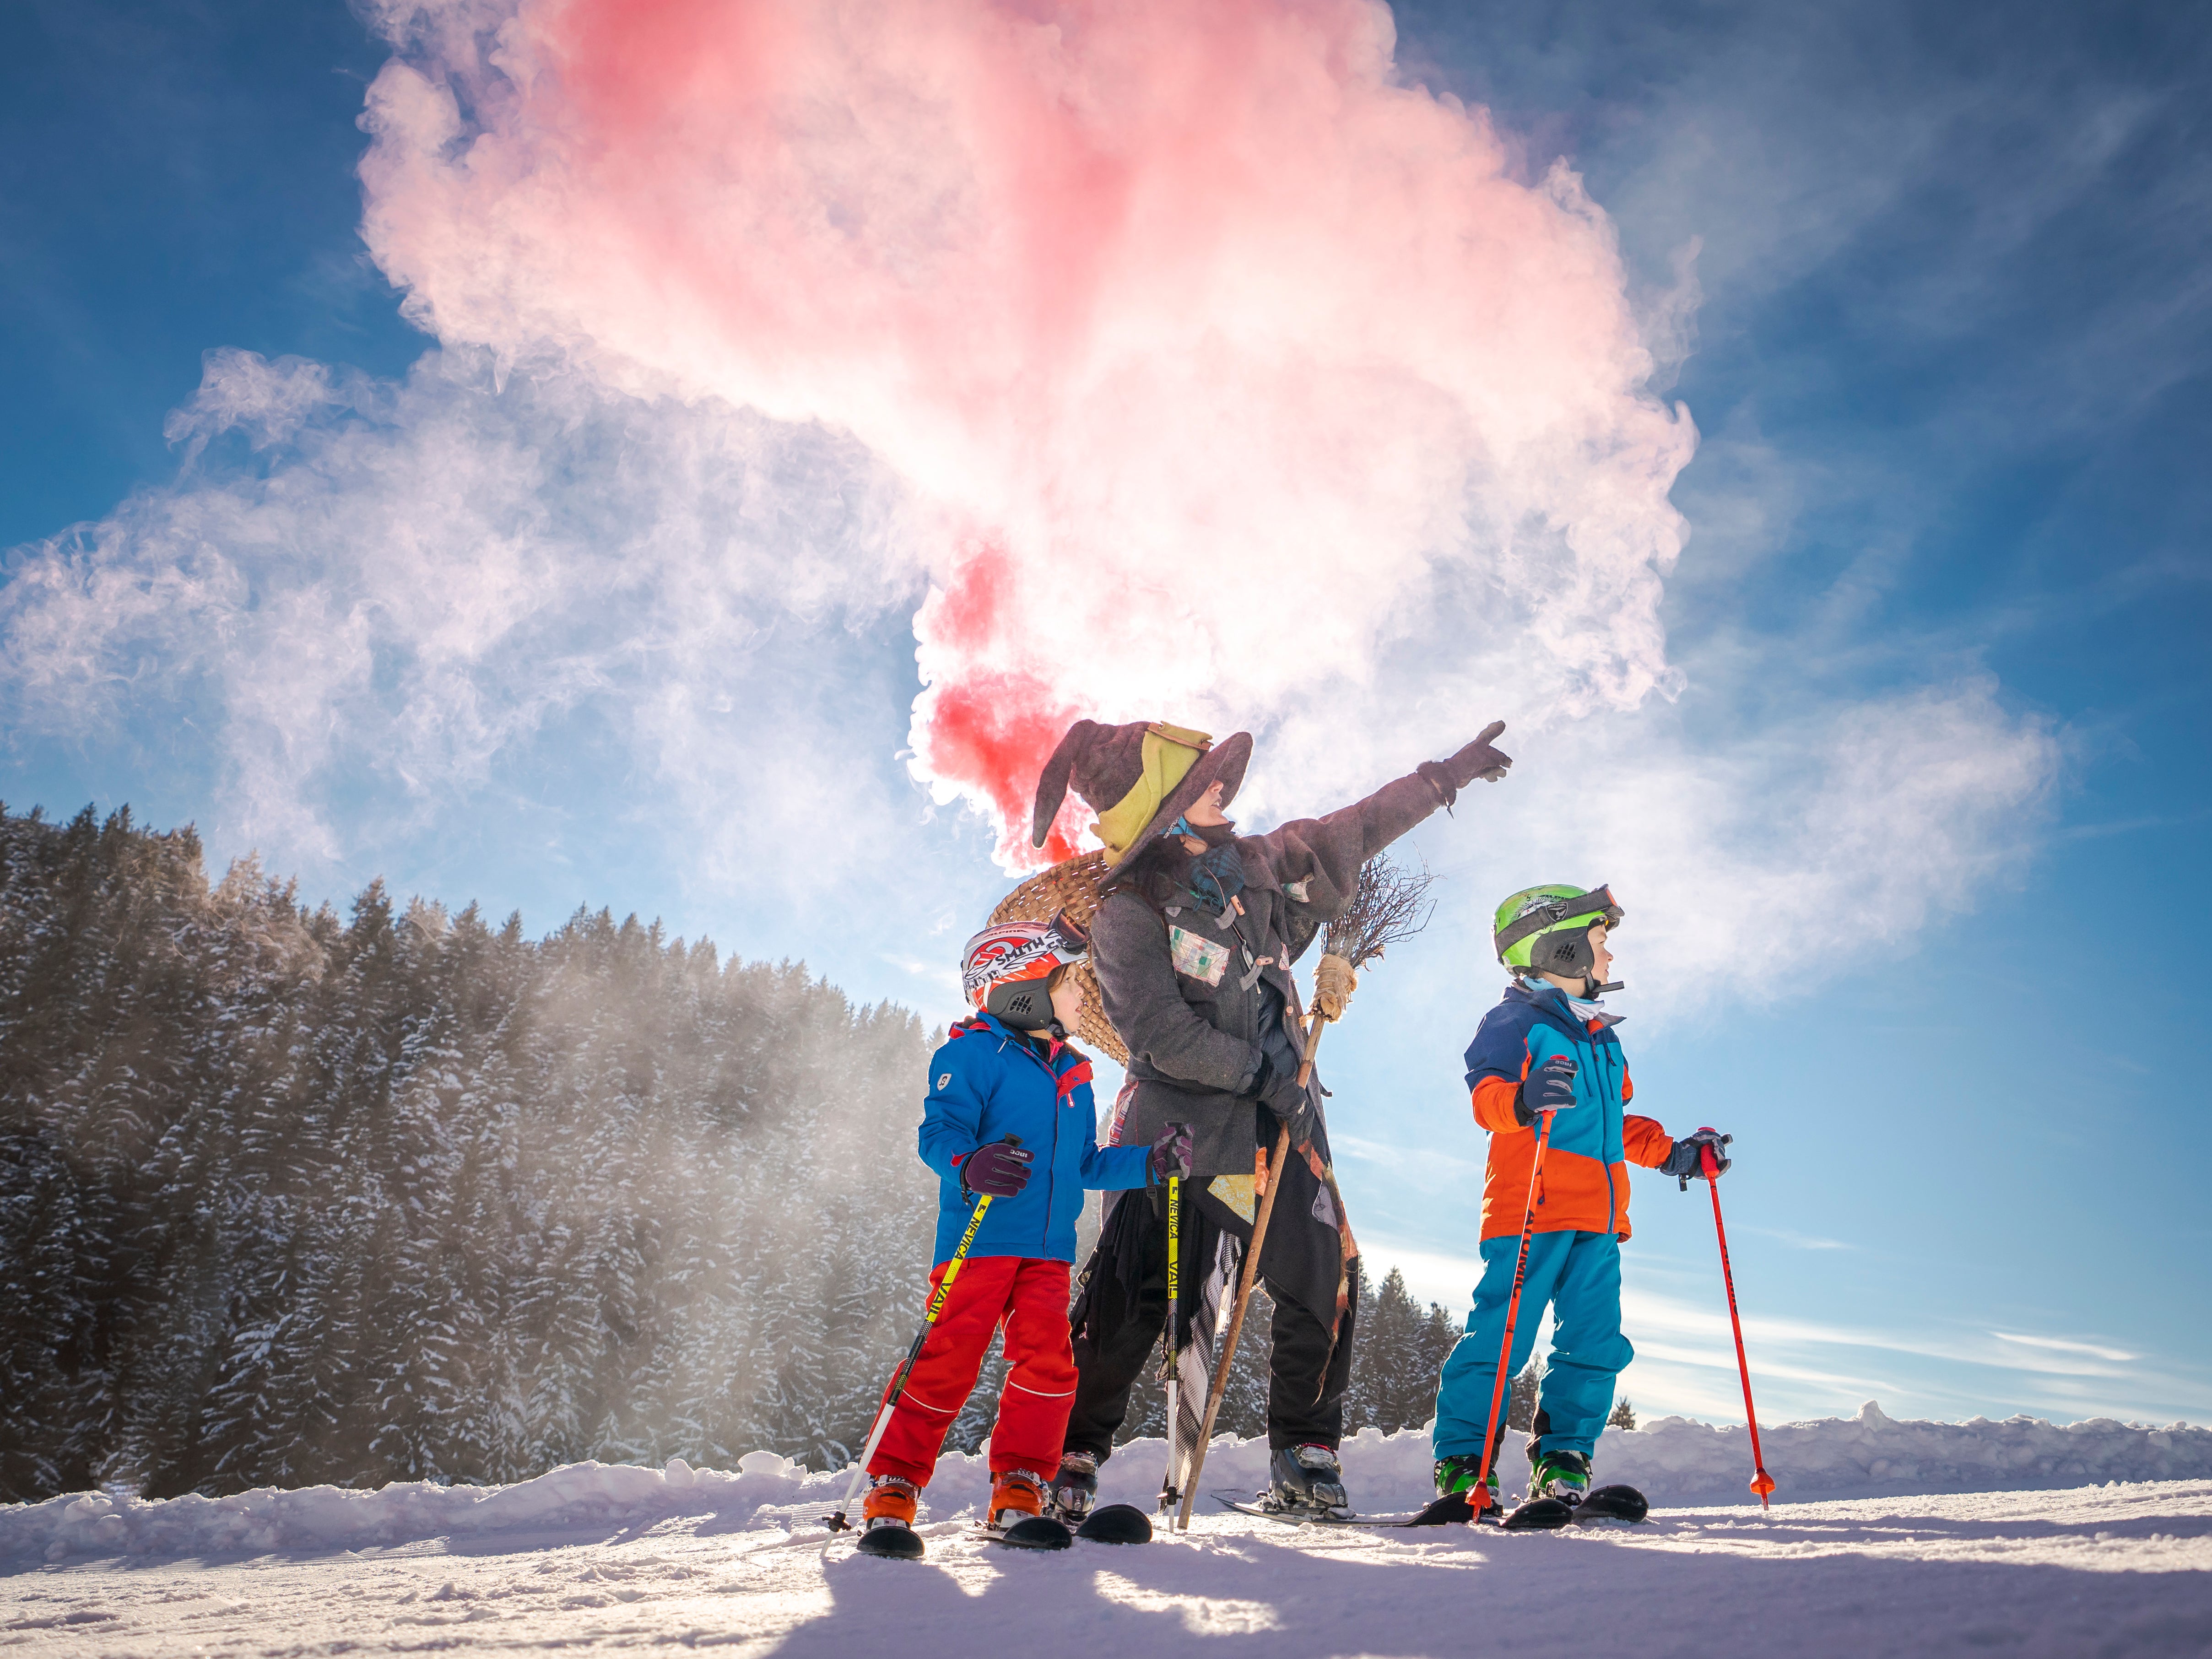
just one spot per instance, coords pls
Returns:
(1074, 1498)
(1074, 1489)
(1308, 1479)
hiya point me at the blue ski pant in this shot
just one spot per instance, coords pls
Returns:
(1578, 1275)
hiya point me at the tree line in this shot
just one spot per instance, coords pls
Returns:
(289, 1197)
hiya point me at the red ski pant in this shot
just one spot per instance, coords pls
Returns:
(1029, 1298)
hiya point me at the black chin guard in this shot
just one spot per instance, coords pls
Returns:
(1024, 1004)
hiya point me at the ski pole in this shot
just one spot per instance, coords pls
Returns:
(1761, 1481)
(837, 1521)
(1168, 1491)
(1512, 1313)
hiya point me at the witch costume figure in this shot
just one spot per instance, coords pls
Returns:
(1195, 937)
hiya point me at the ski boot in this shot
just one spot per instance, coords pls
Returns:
(1456, 1480)
(1073, 1502)
(1557, 1481)
(887, 1519)
(1018, 1516)
(1308, 1479)
(1564, 1475)
(1074, 1489)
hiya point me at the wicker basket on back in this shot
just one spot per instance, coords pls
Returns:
(1072, 886)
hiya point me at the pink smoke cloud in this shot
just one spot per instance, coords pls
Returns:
(1222, 359)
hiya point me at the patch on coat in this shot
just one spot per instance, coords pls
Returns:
(1236, 1193)
(1323, 1210)
(944, 1079)
(1297, 889)
(1197, 956)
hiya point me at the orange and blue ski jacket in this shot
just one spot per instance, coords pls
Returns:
(1584, 1185)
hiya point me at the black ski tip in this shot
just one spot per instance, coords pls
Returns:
(891, 1543)
(1611, 1504)
(1540, 1515)
(1037, 1533)
(1118, 1523)
(1452, 1507)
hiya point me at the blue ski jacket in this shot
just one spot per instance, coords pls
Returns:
(986, 1082)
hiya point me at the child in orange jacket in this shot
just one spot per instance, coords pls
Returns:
(1548, 1048)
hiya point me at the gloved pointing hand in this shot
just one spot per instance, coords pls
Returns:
(1687, 1159)
(1477, 760)
(1334, 984)
(1549, 1087)
(1170, 1154)
(996, 1168)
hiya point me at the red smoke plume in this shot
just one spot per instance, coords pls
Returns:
(1223, 359)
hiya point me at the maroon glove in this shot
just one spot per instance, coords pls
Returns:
(1171, 1152)
(1477, 760)
(998, 1168)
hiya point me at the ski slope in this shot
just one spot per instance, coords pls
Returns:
(1888, 1537)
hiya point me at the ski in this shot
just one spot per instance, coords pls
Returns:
(1611, 1503)
(1036, 1532)
(890, 1543)
(1421, 1517)
(1117, 1523)
(1538, 1515)
(1605, 1503)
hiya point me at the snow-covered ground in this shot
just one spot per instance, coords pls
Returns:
(2024, 1537)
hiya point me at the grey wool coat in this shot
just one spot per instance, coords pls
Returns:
(1178, 988)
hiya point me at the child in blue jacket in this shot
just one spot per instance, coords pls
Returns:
(1010, 1116)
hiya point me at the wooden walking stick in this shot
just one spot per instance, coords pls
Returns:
(1228, 1354)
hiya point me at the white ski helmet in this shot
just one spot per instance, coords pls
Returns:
(1006, 971)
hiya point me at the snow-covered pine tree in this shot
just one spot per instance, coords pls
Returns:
(286, 1198)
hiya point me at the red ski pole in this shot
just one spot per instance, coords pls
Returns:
(1762, 1482)
(1512, 1312)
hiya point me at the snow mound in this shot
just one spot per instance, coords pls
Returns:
(1675, 1460)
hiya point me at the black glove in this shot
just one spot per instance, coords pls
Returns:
(1276, 1086)
(1687, 1159)
(1477, 760)
(997, 1168)
(1171, 1153)
(1549, 1087)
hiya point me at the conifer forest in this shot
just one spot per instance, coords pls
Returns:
(289, 1197)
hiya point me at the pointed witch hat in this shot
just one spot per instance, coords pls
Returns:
(1138, 778)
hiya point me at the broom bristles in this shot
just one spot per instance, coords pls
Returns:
(1390, 905)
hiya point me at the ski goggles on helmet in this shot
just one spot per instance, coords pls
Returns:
(1598, 904)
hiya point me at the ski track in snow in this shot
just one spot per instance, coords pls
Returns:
(600, 1556)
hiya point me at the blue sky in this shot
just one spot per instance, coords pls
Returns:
(1948, 358)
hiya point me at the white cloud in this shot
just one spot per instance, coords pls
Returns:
(369, 597)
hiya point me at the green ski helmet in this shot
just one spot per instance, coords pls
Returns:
(1546, 930)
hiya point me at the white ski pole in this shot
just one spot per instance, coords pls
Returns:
(836, 1520)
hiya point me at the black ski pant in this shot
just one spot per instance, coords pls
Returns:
(1307, 1374)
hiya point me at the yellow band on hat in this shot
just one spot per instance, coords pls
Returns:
(1170, 753)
